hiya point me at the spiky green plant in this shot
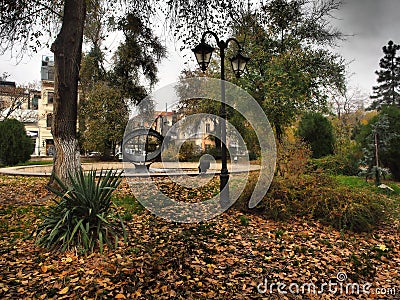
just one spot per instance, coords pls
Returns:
(84, 217)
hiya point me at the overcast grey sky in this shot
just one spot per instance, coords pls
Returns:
(373, 23)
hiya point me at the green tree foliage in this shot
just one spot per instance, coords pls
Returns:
(380, 141)
(141, 51)
(387, 92)
(106, 118)
(289, 72)
(15, 145)
(105, 94)
(92, 72)
(317, 130)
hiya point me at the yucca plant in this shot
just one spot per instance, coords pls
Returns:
(84, 216)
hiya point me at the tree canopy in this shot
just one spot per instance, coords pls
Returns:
(290, 72)
(106, 118)
(107, 92)
(139, 53)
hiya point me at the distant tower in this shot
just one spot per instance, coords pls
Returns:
(47, 71)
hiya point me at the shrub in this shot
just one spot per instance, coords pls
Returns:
(189, 151)
(320, 197)
(336, 164)
(214, 152)
(317, 130)
(292, 157)
(15, 145)
(84, 217)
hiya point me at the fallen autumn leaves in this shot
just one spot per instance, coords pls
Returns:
(226, 258)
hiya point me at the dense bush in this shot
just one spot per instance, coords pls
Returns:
(317, 130)
(189, 151)
(318, 196)
(337, 164)
(15, 145)
(214, 152)
(84, 217)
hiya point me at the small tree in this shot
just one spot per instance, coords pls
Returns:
(106, 118)
(380, 141)
(15, 145)
(317, 130)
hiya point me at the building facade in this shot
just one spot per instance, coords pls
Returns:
(45, 110)
(21, 104)
(32, 107)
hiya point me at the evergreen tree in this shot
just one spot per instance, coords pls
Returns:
(138, 55)
(317, 130)
(106, 94)
(380, 142)
(15, 145)
(387, 92)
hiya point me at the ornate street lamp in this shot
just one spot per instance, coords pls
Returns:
(203, 54)
(238, 63)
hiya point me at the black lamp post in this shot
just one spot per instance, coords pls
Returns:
(203, 54)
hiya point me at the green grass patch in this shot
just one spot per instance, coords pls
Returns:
(16, 221)
(36, 162)
(129, 204)
(360, 183)
(30, 163)
(352, 181)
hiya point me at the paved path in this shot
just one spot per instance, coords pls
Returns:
(156, 169)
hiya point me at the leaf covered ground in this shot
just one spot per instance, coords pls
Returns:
(234, 256)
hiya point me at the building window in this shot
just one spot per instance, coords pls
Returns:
(51, 74)
(50, 97)
(47, 71)
(208, 128)
(35, 102)
(49, 120)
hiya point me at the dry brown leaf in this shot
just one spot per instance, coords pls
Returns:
(64, 291)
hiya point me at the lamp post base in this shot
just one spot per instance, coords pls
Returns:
(224, 190)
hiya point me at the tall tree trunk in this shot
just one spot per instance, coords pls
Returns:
(67, 50)
(279, 132)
